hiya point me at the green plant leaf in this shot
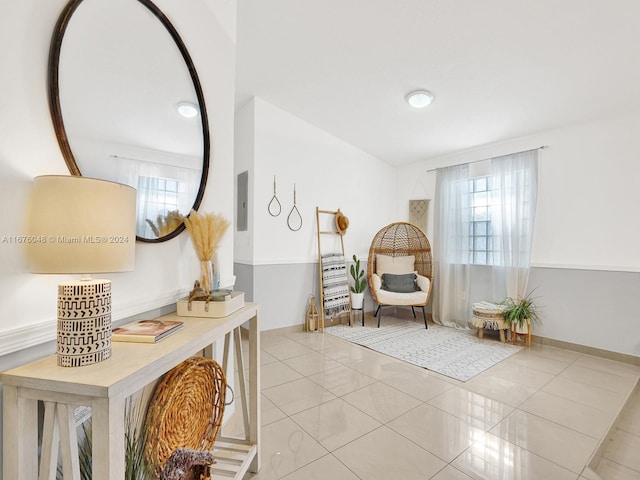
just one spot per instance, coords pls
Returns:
(359, 283)
(520, 312)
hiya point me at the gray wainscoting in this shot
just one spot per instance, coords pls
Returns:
(592, 308)
(580, 308)
(244, 280)
(283, 291)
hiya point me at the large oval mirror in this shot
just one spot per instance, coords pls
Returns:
(127, 106)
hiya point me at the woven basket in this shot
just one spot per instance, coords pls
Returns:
(185, 411)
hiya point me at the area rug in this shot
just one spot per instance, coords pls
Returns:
(451, 352)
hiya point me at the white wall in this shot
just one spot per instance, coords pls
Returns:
(244, 161)
(588, 207)
(588, 192)
(28, 148)
(328, 173)
(586, 221)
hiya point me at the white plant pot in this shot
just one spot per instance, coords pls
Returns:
(357, 300)
(522, 330)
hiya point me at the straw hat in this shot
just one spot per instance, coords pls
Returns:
(342, 223)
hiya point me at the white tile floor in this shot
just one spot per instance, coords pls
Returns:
(335, 410)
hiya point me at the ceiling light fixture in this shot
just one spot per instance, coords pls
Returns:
(187, 109)
(419, 98)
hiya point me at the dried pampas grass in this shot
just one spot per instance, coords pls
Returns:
(166, 224)
(206, 230)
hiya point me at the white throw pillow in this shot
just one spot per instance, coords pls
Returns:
(394, 265)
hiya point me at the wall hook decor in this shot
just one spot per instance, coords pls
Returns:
(274, 205)
(294, 220)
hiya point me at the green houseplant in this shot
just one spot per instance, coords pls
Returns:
(359, 284)
(520, 312)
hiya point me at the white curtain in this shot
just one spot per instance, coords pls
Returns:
(149, 199)
(147, 178)
(514, 188)
(451, 247)
(513, 193)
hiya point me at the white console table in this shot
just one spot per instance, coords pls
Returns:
(105, 387)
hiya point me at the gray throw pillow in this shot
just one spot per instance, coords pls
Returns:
(404, 283)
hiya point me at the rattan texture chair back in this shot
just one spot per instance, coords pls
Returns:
(185, 411)
(397, 240)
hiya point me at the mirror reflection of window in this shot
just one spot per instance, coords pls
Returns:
(158, 206)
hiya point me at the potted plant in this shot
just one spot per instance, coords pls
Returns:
(520, 314)
(359, 284)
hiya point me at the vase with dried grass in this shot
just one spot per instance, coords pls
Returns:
(206, 230)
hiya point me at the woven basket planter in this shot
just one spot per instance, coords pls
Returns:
(186, 410)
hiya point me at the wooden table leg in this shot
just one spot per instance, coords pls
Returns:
(65, 418)
(254, 391)
(19, 435)
(242, 387)
(107, 438)
(50, 443)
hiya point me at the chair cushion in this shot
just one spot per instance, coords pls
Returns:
(386, 297)
(394, 298)
(404, 283)
(395, 265)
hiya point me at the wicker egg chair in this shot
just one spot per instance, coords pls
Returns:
(401, 239)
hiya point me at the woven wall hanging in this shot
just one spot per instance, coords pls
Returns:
(418, 213)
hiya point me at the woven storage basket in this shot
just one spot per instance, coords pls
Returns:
(186, 410)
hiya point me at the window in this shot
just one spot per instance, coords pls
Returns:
(161, 194)
(157, 198)
(491, 203)
(482, 245)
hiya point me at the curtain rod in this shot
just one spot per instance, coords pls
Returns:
(153, 162)
(541, 147)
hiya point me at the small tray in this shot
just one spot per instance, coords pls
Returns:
(200, 308)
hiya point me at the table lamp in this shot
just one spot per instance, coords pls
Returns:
(86, 226)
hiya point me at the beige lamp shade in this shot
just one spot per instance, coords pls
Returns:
(81, 225)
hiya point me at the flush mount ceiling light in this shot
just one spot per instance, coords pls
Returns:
(419, 98)
(187, 109)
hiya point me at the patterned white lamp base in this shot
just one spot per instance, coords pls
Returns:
(84, 322)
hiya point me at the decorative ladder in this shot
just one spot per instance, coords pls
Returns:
(321, 283)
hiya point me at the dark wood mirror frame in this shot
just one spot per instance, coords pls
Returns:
(56, 110)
